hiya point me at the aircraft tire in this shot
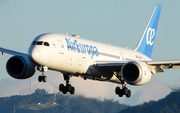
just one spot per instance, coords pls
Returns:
(61, 87)
(72, 90)
(69, 87)
(117, 90)
(120, 93)
(40, 78)
(44, 78)
(125, 90)
(64, 90)
(128, 94)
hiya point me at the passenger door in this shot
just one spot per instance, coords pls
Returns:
(61, 47)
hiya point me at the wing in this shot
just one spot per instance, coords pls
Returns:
(159, 66)
(154, 66)
(11, 52)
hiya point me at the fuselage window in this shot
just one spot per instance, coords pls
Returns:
(39, 43)
(46, 43)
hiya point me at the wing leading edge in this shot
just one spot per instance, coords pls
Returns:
(11, 52)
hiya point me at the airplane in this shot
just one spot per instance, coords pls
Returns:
(78, 57)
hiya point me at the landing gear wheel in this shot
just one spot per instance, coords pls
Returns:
(40, 78)
(120, 93)
(44, 78)
(72, 90)
(61, 87)
(125, 90)
(128, 94)
(117, 90)
(69, 88)
(64, 90)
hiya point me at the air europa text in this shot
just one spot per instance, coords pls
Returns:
(81, 48)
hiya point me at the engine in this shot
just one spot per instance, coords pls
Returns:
(20, 67)
(136, 73)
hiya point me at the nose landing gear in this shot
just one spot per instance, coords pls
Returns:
(42, 77)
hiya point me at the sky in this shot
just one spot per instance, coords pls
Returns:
(117, 22)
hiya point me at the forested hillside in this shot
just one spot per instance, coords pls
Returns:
(170, 104)
(42, 102)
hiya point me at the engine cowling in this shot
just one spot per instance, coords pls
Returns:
(136, 73)
(20, 67)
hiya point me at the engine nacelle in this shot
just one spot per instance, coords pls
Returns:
(136, 73)
(20, 67)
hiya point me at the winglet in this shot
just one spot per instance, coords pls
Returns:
(146, 43)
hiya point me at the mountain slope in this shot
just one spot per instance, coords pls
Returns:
(42, 102)
(169, 104)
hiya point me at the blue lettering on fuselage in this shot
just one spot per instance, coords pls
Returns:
(81, 48)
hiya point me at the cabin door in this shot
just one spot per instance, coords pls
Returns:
(61, 47)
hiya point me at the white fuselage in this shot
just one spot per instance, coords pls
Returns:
(76, 55)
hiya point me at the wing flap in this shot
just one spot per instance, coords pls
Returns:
(176, 67)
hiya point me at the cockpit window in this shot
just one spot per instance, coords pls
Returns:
(34, 43)
(39, 43)
(46, 43)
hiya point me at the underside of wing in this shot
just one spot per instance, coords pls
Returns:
(154, 66)
(110, 66)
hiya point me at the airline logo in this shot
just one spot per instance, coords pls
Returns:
(150, 36)
(75, 46)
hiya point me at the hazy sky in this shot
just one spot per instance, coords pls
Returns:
(118, 22)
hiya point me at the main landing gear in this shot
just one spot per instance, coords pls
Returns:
(124, 91)
(68, 87)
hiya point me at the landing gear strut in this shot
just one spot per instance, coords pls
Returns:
(42, 77)
(68, 87)
(124, 90)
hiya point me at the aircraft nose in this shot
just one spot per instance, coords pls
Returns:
(35, 54)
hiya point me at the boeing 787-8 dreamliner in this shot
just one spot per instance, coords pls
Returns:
(74, 56)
